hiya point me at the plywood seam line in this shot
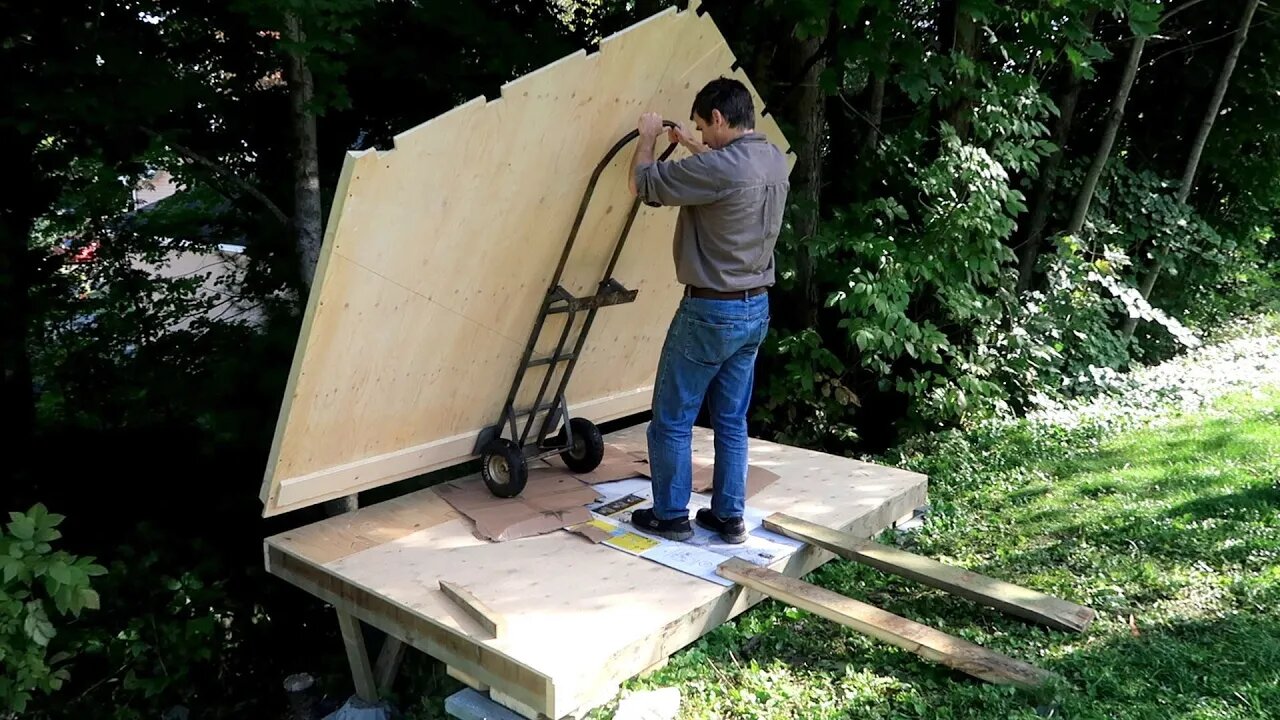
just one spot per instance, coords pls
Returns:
(437, 303)
(695, 64)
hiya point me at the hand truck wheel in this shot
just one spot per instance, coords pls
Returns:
(587, 450)
(504, 469)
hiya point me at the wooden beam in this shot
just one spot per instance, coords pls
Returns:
(907, 634)
(1028, 604)
(491, 621)
(389, 658)
(467, 679)
(358, 656)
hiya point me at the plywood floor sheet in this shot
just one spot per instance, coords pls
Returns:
(438, 253)
(579, 618)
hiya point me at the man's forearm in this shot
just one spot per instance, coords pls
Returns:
(642, 155)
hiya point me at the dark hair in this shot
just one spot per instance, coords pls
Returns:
(731, 98)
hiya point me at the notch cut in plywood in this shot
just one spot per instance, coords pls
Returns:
(437, 256)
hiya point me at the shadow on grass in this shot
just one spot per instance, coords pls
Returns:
(1211, 667)
(1259, 498)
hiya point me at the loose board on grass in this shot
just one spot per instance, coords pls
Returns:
(438, 253)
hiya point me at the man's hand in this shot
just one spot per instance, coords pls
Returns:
(650, 126)
(679, 134)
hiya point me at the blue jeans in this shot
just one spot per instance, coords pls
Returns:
(710, 352)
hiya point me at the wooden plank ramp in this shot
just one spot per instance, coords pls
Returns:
(1004, 596)
(907, 634)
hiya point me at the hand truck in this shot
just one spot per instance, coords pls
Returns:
(504, 460)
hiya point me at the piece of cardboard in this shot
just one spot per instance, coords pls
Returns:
(757, 479)
(591, 531)
(618, 464)
(550, 501)
(704, 473)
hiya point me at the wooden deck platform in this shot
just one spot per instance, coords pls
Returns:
(577, 618)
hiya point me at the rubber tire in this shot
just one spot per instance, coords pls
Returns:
(500, 453)
(588, 449)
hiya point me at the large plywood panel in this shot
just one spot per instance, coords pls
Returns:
(438, 253)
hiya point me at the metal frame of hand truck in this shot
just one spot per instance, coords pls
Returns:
(504, 461)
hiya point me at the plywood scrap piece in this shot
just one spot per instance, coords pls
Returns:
(550, 501)
(491, 621)
(922, 640)
(1025, 603)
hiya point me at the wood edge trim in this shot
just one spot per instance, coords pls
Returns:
(301, 491)
(271, 482)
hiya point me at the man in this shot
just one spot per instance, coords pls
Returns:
(731, 193)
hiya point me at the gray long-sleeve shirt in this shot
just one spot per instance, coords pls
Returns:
(731, 204)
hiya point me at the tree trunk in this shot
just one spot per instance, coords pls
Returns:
(806, 108)
(17, 398)
(965, 43)
(1114, 118)
(1042, 196)
(307, 221)
(1197, 148)
(875, 115)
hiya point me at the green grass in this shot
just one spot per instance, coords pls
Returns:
(1171, 531)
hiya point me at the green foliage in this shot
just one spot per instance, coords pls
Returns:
(917, 297)
(805, 399)
(39, 586)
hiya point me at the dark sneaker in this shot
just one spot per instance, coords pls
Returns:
(678, 529)
(733, 530)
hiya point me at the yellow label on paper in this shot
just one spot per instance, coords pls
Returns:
(632, 542)
(605, 526)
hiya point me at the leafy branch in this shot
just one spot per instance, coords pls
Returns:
(28, 566)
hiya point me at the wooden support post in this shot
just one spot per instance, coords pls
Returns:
(1007, 597)
(907, 634)
(389, 658)
(358, 656)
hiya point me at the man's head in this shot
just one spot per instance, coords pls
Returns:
(723, 111)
